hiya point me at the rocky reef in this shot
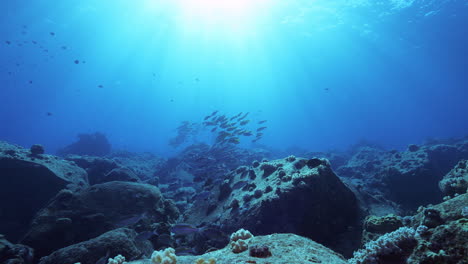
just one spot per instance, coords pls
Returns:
(372, 206)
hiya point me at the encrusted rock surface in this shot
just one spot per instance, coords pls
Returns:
(110, 244)
(388, 181)
(302, 196)
(285, 248)
(456, 181)
(27, 182)
(75, 217)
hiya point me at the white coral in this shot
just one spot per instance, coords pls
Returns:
(119, 259)
(239, 246)
(241, 234)
(166, 256)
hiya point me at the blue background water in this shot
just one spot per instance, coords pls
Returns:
(324, 73)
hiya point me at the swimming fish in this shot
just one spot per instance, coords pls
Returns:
(261, 128)
(262, 121)
(184, 229)
(244, 122)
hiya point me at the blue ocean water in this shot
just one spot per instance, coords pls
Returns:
(325, 74)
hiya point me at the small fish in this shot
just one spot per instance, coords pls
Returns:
(230, 129)
(104, 259)
(214, 113)
(130, 221)
(100, 86)
(184, 251)
(52, 33)
(64, 47)
(235, 140)
(261, 128)
(244, 122)
(8, 42)
(247, 134)
(239, 185)
(76, 61)
(214, 234)
(259, 135)
(214, 129)
(49, 114)
(184, 229)
(262, 122)
(206, 117)
(145, 235)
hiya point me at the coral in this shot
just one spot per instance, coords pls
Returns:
(239, 240)
(394, 245)
(259, 251)
(119, 259)
(239, 246)
(202, 261)
(241, 234)
(37, 149)
(166, 256)
(413, 148)
(456, 181)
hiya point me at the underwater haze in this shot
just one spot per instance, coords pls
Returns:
(324, 74)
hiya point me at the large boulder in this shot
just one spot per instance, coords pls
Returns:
(71, 217)
(291, 195)
(119, 241)
(284, 248)
(27, 182)
(409, 178)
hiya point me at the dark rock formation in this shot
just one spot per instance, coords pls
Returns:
(119, 241)
(96, 167)
(436, 234)
(284, 248)
(71, 217)
(311, 202)
(456, 181)
(408, 178)
(28, 182)
(15, 254)
(88, 144)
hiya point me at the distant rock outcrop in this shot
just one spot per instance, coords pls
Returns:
(88, 144)
(27, 182)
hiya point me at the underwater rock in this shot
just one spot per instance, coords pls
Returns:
(28, 182)
(313, 196)
(119, 241)
(15, 254)
(376, 226)
(407, 179)
(456, 181)
(445, 241)
(37, 149)
(284, 248)
(96, 210)
(88, 144)
(96, 167)
(121, 174)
